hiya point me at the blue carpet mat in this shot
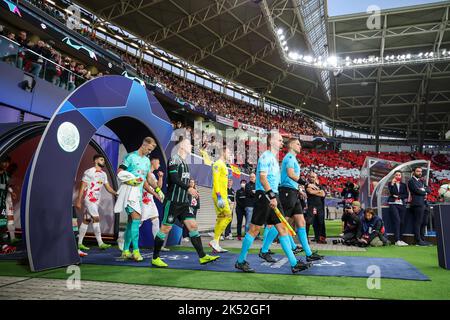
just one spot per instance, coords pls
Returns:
(341, 266)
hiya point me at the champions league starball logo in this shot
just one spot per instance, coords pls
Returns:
(331, 263)
(68, 136)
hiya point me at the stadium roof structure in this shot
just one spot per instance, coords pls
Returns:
(411, 97)
(231, 38)
(236, 39)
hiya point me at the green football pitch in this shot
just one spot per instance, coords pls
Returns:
(333, 227)
(424, 258)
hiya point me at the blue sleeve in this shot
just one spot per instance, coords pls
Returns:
(264, 164)
(290, 163)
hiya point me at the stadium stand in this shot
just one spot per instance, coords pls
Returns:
(208, 100)
(42, 59)
(335, 168)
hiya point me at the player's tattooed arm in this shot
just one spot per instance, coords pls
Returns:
(83, 186)
(152, 181)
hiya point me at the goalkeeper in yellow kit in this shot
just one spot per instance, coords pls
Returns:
(220, 198)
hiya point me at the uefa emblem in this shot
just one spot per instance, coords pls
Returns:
(68, 136)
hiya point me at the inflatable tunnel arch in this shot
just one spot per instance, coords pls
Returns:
(124, 106)
(20, 140)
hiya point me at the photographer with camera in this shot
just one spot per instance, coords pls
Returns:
(351, 225)
(350, 193)
(373, 232)
(356, 207)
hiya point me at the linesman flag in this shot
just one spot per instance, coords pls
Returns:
(283, 221)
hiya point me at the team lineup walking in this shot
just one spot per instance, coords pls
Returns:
(277, 207)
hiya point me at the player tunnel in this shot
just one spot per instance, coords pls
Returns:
(122, 105)
(20, 140)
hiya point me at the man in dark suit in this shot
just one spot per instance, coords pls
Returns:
(397, 206)
(418, 190)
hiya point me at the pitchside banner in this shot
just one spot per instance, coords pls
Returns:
(239, 125)
(248, 127)
(227, 122)
(306, 138)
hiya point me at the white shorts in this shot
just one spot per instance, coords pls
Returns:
(149, 211)
(91, 209)
(9, 205)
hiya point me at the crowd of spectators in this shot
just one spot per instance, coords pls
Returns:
(42, 59)
(208, 100)
(334, 168)
(50, 10)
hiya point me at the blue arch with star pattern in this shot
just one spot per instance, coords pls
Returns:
(123, 105)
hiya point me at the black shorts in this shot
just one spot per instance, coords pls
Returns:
(262, 213)
(290, 201)
(176, 210)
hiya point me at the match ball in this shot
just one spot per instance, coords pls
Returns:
(444, 192)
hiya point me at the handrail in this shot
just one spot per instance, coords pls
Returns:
(37, 54)
(60, 29)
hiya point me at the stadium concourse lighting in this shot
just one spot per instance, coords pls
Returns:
(333, 62)
(308, 59)
(294, 55)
